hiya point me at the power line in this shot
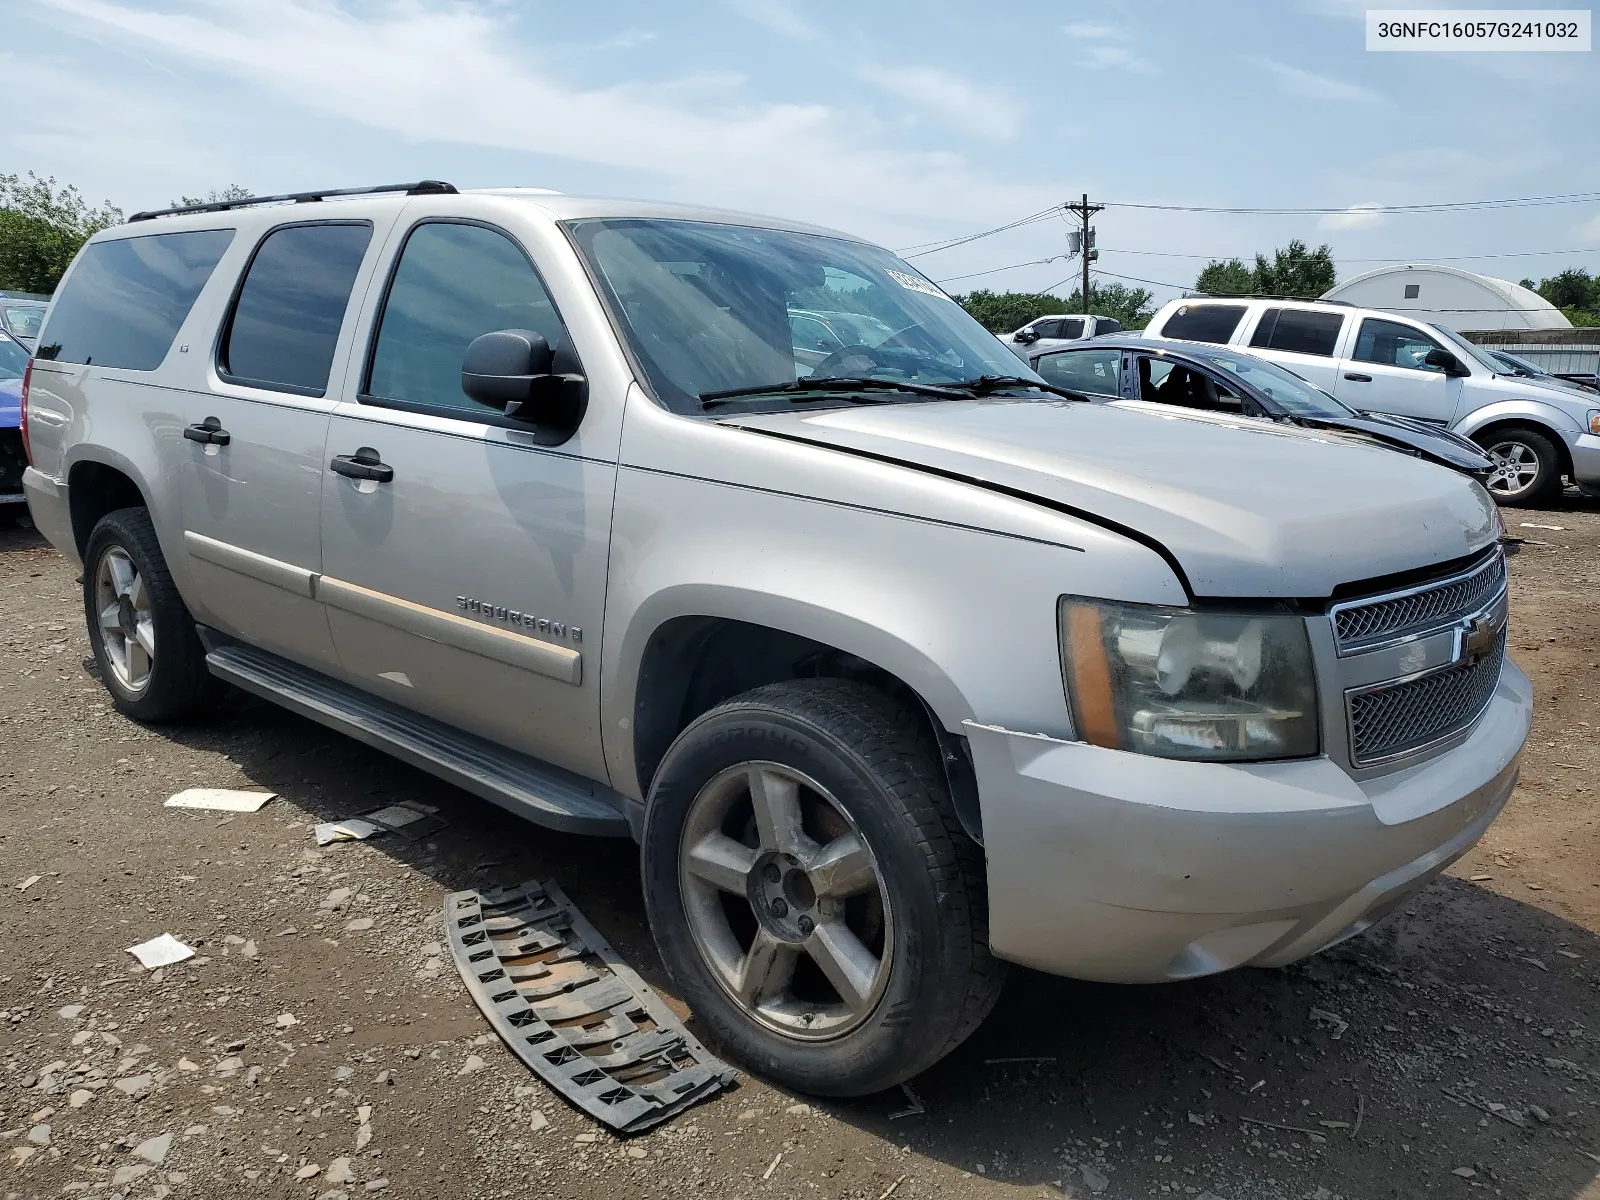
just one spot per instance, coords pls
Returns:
(1377, 209)
(935, 247)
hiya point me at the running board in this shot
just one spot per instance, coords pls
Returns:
(538, 791)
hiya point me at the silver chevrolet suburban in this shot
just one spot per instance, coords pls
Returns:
(898, 663)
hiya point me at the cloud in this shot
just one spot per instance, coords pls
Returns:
(1318, 87)
(1090, 31)
(1106, 54)
(441, 75)
(1117, 58)
(1357, 216)
(780, 16)
(627, 39)
(1589, 231)
(949, 96)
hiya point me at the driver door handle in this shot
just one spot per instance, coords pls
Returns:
(1355, 378)
(363, 464)
(208, 432)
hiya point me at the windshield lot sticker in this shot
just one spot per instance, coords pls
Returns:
(915, 283)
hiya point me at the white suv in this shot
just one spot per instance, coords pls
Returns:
(1381, 362)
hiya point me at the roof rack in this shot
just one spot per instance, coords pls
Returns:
(1262, 296)
(424, 187)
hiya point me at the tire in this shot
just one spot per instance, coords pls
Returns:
(859, 766)
(144, 639)
(1527, 467)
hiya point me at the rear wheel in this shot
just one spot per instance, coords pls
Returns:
(812, 891)
(1527, 467)
(144, 639)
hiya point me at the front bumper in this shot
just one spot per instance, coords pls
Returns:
(1133, 869)
(1585, 451)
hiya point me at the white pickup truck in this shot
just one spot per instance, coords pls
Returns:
(1043, 334)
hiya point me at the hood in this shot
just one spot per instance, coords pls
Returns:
(1272, 511)
(1430, 441)
(10, 403)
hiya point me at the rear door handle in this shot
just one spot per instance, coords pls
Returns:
(1354, 378)
(363, 464)
(208, 432)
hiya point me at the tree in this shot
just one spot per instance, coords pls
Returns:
(1231, 278)
(233, 191)
(1130, 305)
(1001, 312)
(1293, 271)
(1296, 271)
(42, 225)
(1573, 288)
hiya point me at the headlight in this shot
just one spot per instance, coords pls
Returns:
(1223, 687)
(1594, 420)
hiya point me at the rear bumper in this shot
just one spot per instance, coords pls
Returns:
(52, 515)
(1133, 869)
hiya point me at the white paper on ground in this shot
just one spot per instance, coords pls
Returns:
(160, 951)
(219, 800)
(353, 829)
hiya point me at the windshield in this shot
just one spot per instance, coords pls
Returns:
(710, 308)
(1286, 389)
(13, 359)
(1518, 366)
(24, 319)
(1476, 353)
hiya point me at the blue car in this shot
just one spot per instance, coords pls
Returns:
(13, 362)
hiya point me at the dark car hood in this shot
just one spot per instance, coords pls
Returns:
(1266, 510)
(1430, 441)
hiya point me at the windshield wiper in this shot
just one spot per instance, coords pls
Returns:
(983, 385)
(829, 383)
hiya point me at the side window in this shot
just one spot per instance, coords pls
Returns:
(125, 300)
(1391, 344)
(1204, 322)
(454, 282)
(1299, 331)
(285, 322)
(1047, 329)
(1093, 372)
(1071, 329)
(809, 333)
(1164, 382)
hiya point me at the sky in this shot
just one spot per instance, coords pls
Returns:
(906, 122)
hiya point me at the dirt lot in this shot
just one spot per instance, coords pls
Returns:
(319, 1047)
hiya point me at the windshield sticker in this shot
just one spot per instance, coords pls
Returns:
(915, 283)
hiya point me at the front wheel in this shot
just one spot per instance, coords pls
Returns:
(1527, 467)
(811, 889)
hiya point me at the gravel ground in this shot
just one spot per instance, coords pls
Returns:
(319, 1046)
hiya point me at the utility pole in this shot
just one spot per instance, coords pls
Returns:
(1083, 211)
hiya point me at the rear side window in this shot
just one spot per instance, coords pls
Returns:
(1072, 328)
(1096, 372)
(1299, 331)
(285, 322)
(125, 300)
(1204, 323)
(454, 282)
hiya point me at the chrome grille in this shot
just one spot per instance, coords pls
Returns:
(1395, 718)
(1366, 624)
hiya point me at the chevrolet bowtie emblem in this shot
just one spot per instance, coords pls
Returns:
(1479, 637)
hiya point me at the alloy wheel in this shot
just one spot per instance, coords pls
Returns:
(127, 626)
(1516, 466)
(785, 901)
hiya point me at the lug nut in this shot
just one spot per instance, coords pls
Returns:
(772, 873)
(780, 908)
(807, 925)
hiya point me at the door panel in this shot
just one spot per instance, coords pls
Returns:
(471, 586)
(1384, 373)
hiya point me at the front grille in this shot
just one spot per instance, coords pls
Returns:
(1364, 624)
(1395, 718)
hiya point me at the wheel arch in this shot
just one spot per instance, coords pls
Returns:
(704, 646)
(99, 483)
(1485, 433)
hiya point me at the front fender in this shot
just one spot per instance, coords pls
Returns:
(1533, 412)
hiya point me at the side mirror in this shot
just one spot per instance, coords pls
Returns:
(1441, 359)
(514, 370)
(1026, 336)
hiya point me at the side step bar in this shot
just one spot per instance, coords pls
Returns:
(538, 791)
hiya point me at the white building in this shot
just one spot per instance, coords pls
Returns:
(1450, 297)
